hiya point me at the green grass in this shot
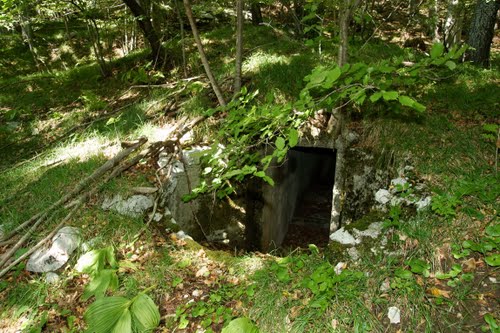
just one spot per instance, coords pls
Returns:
(445, 145)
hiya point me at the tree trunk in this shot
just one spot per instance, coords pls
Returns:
(95, 36)
(339, 119)
(345, 17)
(183, 47)
(27, 36)
(239, 46)
(208, 71)
(298, 14)
(96, 46)
(453, 24)
(256, 12)
(434, 16)
(144, 21)
(481, 32)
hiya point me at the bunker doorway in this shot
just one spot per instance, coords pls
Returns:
(311, 219)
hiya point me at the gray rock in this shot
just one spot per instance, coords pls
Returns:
(423, 203)
(157, 217)
(353, 253)
(182, 235)
(398, 183)
(344, 237)
(385, 286)
(91, 244)
(134, 206)
(352, 137)
(52, 278)
(394, 315)
(395, 201)
(64, 243)
(217, 236)
(373, 231)
(383, 196)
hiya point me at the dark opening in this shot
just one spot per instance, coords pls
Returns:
(316, 175)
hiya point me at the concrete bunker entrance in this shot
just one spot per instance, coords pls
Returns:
(295, 212)
(297, 209)
(310, 223)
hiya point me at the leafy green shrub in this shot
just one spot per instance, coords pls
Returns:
(240, 325)
(92, 102)
(236, 156)
(209, 312)
(253, 135)
(323, 283)
(115, 313)
(488, 245)
(119, 314)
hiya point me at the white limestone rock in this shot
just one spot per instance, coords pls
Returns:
(52, 278)
(398, 183)
(339, 267)
(373, 230)
(385, 286)
(353, 253)
(383, 196)
(394, 315)
(134, 206)
(352, 137)
(64, 242)
(423, 203)
(182, 235)
(344, 237)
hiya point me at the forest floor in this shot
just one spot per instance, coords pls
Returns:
(437, 269)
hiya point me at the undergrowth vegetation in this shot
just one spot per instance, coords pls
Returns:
(438, 268)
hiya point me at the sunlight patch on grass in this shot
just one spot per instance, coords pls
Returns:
(155, 133)
(83, 150)
(259, 59)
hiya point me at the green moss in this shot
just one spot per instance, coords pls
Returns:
(336, 252)
(172, 226)
(364, 222)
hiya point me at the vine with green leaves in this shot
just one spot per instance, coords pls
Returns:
(252, 136)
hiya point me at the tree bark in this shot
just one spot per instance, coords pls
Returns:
(239, 46)
(206, 65)
(27, 34)
(345, 17)
(255, 10)
(481, 32)
(183, 47)
(298, 14)
(434, 16)
(144, 21)
(453, 24)
(97, 46)
(339, 119)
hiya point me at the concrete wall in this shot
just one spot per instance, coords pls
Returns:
(204, 218)
(258, 218)
(279, 201)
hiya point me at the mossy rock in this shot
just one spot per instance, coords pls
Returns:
(336, 252)
(364, 222)
(174, 227)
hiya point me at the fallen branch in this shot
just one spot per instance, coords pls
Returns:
(39, 244)
(84, 183)
(20, 242)
(117, 167)
(8, 242)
